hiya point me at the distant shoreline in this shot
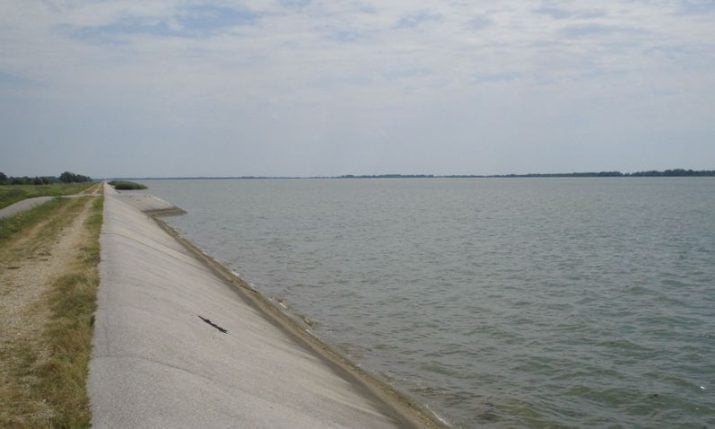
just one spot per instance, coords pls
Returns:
(650, 173)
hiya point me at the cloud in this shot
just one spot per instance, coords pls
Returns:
(11, 80)
(295, 3)
(210, 18)
(260, 80)
(417, 18)
(185, 21)
(564, 13)
(696, 7)
(590, 30)
(479, 22)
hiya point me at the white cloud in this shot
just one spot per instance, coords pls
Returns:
(354, 74)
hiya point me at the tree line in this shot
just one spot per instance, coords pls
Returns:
(677, 172)
(66, 177)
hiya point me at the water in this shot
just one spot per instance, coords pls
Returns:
(498, 303)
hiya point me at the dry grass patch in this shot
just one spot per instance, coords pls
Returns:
(63, 377)
(24, 221)
(44, 355)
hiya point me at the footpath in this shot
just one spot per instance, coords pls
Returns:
(177, 346)
(23, 205)
(29, 203)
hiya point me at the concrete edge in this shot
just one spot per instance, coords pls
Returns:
(400, 405)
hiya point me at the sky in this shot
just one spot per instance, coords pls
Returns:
(162, 88)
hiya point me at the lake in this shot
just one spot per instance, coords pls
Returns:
(496, 302)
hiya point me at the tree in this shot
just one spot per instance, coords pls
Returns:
(68, 177)
(3, 178)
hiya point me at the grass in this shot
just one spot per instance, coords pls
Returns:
(63, 378)
(124, 185)
(10, 194)
(48, 370)
(24, 220)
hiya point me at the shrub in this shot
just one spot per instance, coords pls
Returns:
(124, 185)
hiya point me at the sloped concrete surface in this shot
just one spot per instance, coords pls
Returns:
(141, 200)
(156, 363)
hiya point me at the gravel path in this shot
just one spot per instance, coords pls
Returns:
(29, 264)
(29, 203)
(23, 205)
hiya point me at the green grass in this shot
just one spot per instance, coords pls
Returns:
(10, 194)
(123, 185)
(63, 378)
(46, 370)
(28, 218)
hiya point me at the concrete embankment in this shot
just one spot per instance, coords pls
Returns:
(176, 344)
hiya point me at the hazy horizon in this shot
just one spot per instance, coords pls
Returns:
(381, 175)
(178, 88)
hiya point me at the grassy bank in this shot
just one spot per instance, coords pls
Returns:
(25, 220)
(10, 194)
(68, 336)
(126, 185)
(48, 282)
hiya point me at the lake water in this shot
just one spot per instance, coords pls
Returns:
(496, 302)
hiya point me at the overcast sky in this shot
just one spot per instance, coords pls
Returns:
(301, 87)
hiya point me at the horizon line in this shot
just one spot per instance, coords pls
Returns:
(677, 172)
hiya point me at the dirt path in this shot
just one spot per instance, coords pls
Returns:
(93, 190)
(29, 203)
(29, 264)
(21, 206)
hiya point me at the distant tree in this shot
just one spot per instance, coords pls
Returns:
(20, 180)
(3, 178)
(69, 177)
(677, 172)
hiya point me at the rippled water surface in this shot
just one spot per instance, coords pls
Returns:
(497, 302)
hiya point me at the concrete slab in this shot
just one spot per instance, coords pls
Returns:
(157, 362)
(144, 201)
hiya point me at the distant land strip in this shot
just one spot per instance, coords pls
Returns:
(678, 172)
